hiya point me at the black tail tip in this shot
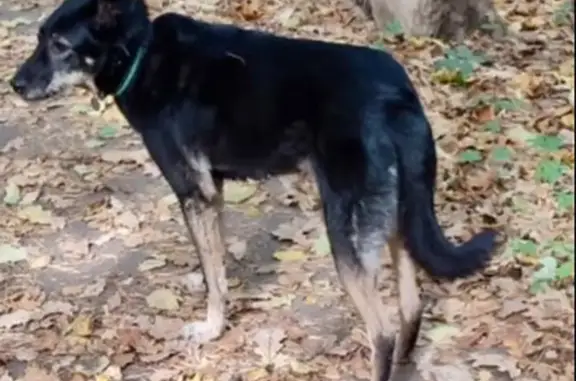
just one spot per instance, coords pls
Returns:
(485, 240)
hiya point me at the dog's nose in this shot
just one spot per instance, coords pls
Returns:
(18, 84)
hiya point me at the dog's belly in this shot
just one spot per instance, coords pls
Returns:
(258, 168)
(261, 154)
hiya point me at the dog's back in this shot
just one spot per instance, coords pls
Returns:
(269, 98)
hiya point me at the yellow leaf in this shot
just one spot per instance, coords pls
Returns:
(289, 255)
(310, 300)
(300, 368)
(82, 326)
(195, 377)
(162, 299)
(256, 374)
(35, 214)
(445, 76)
(442, 333)
(322, 245)
(528, 260)
(237, 192)
(102, 377)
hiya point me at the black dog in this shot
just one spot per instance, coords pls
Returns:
(215, 101)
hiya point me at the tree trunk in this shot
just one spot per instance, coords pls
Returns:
(445, 19)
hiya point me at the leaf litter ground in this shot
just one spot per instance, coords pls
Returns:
(97, 275)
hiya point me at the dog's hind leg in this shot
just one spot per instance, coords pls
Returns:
(358, 228)
(409, 301)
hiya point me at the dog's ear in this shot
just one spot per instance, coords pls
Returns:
(107, 13)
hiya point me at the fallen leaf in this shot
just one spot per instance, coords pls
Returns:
(11, 254)
(40, 262)
(250, 10)
(257, 374)
(268, 343)
(151, 264)
(237, 248)
(322, 245)
(30, 197)
(13, 319)
(442, 333)
(36, 214)
(236, 192)
(162, 299)
(82, 326)
(11, 194)
(502, 362)
(289, 255)
(274, 302)
(91, 365)
(94, 289)
(34, 373)
(300, 368)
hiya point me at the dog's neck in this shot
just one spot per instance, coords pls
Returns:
(122, 64)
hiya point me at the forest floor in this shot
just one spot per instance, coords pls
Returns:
(97, 275)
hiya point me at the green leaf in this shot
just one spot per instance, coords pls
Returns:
(538, 286)
(561, 249)
(524, 247)
(108, 132)
(394, 28)
(470, 156)
(547, 143)
(501, 154)
(461, 60)
(507, 104)
(11, 194)
(562, 14)
(565, 271)
(547, 271)
(550, 171)
(493, 126)
(565, 200)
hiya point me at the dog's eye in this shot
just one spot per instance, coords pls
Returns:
(59, 45)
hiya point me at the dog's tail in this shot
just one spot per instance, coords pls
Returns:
(423, 236)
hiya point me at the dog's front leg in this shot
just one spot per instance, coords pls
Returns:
(202, 218)
(200, 198)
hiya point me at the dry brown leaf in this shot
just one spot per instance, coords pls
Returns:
(250, 10)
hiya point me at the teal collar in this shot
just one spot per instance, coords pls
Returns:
(130, 75)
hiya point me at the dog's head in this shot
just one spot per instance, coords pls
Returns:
(76, 42)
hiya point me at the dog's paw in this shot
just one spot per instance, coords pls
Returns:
(201, 332)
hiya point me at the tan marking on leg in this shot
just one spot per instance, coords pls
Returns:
(362, 288)
(204, 224)
(409, 299)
